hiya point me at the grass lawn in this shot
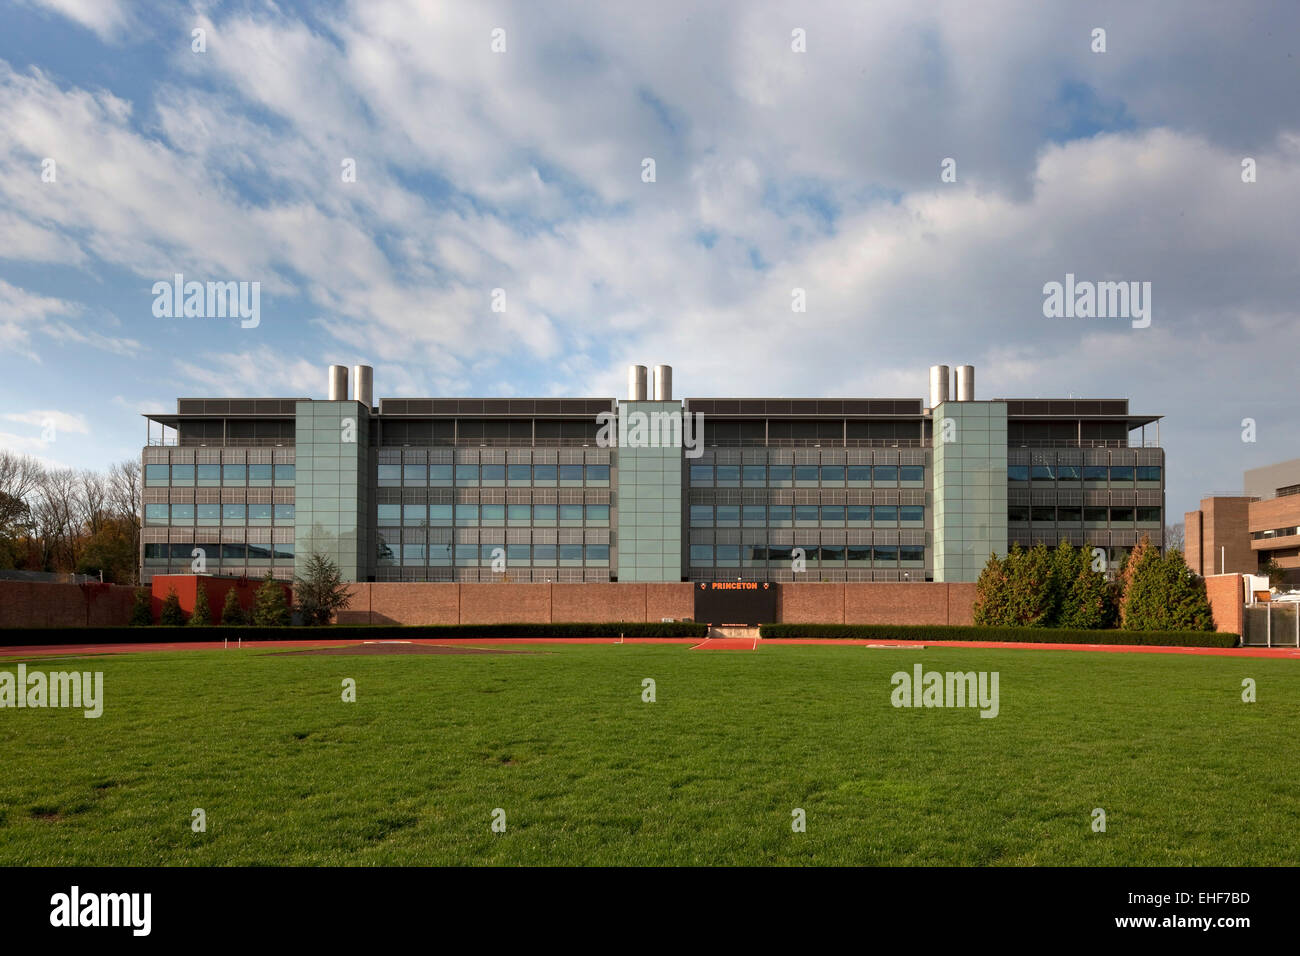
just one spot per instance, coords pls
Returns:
(708, 774)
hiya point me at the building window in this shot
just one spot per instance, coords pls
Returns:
(1017, 472)
(911, 514)
(259, 514)
(466, 515)
(284, 474)
(545, 475)
(234, 475)
(701, 554)
(233, 514)
(1043, 514)
(728, 516)
(182, 514)
(1018, 513)
(208, 515)
(544, 514)
(1068, 472)
(702, 475)
(209, 476)
(182, 476)
(440, 516)
(727, 476)
(155, 514)
(492, 516)
(1148, 473)
(1097, 473)
(494, 476)
(885, 514)
(884, 475)
(259, 476)
(598, 514)
(727, 555)
(415, 475)
(1042, 473)
(519, 514)
(832, 514)
(832, 474)
(389, 514)
(754, 516)
(780, 516)
(805, 516)
(155, 474)
(466, 475)
(780, 476)
(858, 515)
(440, 476)
(859, 475)
(911, 474)
(1148, 516)
(1121, 474)
(570, 475)
(390, 476)
(806, 474)
(519, 474)
(415, 516)
(755, 474)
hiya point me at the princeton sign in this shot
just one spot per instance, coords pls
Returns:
(735, 602)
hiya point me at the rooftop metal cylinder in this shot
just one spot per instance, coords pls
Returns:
(965, 383)
(636, 383)
(338, 383)
(938, 385)
(363, 379)
(663, 383)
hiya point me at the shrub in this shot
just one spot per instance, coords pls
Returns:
(270, 609)
(1039, 635)
(1163, 594)
(142, 608)
(232, 613)
(172, 615)
(202, 615)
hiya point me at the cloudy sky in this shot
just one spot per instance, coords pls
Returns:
(522, 170)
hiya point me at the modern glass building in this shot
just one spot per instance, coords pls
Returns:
(645, 489)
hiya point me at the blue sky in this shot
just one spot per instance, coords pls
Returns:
(522, 170)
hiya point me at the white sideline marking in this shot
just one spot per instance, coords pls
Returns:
(898, 647)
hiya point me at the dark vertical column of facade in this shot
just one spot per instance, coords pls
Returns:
(333, 507)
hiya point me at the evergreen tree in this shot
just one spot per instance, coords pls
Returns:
(270, 609)
(172, 614)
(1127, 570)
(142, 608)
(991, 594)
(202, 616)
(1164, 595)
(320, 591)
(1029, 589)
(232, 614)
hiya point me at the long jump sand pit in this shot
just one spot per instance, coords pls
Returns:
(398, 647)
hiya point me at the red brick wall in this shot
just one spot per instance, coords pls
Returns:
(813, 603)
(599, 602)
(492, 603)
(41, 604)
(186, 588)
(1227, 595)
(675, 600)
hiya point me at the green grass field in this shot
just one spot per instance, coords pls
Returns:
(587, 773)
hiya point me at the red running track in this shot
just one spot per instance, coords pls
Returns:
(747, 644)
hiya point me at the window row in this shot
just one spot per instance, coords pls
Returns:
(210, 515)
(444, 476)
(777, 476)
(225, 551)
(1112, 473)
(490, 555)
(213, 476)
(1067, 514)
(814, 555)
(490, 515)
(1274, 533)
(786, 516)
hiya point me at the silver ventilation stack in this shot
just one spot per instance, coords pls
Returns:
(663, 383)
(636, 383)
(938, 385)
(965, 383)
(338, 383)
(363, 377)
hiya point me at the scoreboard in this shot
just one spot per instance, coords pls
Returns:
(735, 602)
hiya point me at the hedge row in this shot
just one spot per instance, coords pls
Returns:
(1027, 635)
(339, 632)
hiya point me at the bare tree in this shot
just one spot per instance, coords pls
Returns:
(92, 500)
(124, 490)
(1175, 536)
(20, 477)
(57, 514)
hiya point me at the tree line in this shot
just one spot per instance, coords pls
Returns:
(68, 520)
(1066, 587)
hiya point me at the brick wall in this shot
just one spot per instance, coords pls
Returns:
(1227, 595)
(40, 604)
